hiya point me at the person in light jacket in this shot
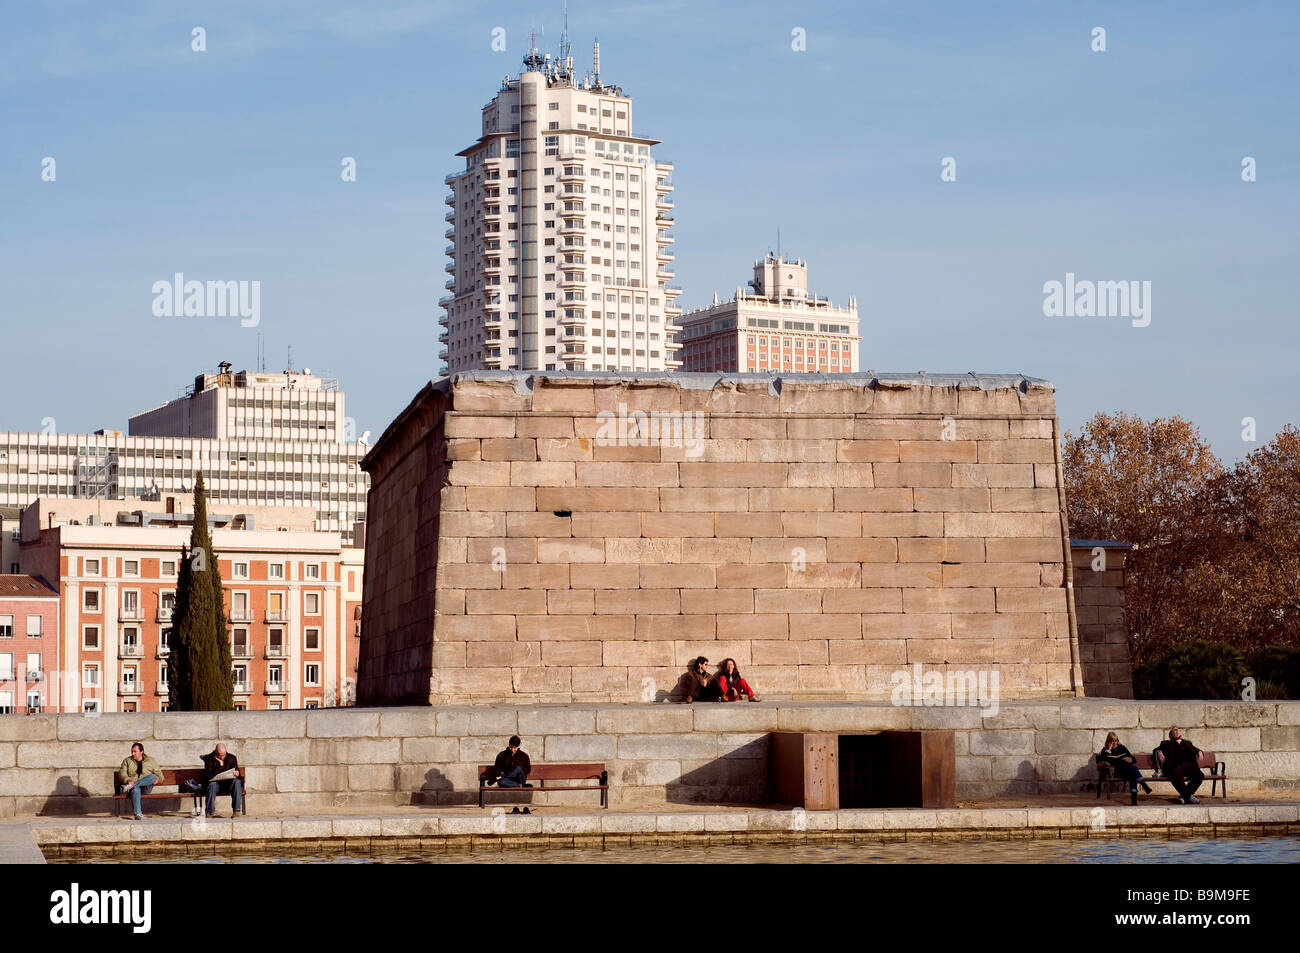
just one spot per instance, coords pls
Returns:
(138, 774)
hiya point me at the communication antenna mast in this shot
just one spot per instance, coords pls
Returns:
(566, 50)
(595, 64)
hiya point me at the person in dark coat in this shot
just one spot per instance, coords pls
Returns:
(697, 684)
(512, 766)
(1122, 765)
(217, 780)
(1178, 763)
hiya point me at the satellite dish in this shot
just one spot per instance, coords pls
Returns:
(306, 370)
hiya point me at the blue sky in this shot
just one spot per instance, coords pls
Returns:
(1115, 165)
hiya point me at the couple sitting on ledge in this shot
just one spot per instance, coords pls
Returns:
(724, 685)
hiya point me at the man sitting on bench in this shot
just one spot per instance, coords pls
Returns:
(138, 774)
(221, 776)
(1178, 763)
(512, 767)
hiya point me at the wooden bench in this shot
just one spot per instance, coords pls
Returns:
(542, 773)
(1216, 772)
(176, 778)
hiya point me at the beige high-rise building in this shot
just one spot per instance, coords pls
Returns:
(777, 327)
(559, 228)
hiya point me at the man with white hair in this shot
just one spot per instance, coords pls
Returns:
(221, 776)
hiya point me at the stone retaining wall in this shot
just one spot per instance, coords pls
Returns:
(314, 760)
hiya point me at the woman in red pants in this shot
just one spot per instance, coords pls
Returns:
(731, 685)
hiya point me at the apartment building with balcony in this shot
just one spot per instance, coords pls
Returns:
(559, 230)
(260, 439)
(777, 326)
(292, 600)
(29, 632)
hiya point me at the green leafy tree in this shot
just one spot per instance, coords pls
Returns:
(201, 675)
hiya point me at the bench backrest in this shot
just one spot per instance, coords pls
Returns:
(558, 772)
(175, 777)
(1205, 759)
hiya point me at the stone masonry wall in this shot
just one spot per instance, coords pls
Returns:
(311, 761)
(404, 520)
(1103, 629)
(826, 534)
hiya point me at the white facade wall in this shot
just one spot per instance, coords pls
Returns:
(322, 475)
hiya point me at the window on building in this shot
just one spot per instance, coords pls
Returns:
(92, 567)
(311, 639)
(6, 703)
(275, 570)
(90, 637)
(7, 626)
(311, 673)
(240, 570)
(90, 676)
(168, 567)
(90, 600)
(312, 603)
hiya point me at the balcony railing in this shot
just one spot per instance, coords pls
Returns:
(241, 650)
(275, 651)
(129, 688)
(276, 688)
(131, 614)
(276, 615)
(245, 687)
(131, 650)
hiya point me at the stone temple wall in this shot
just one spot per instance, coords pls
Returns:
(1099, 576)
(573, 537)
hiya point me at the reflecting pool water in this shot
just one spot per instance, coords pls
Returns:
(1266, 850)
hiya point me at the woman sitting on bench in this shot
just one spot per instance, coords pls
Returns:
(1122, 765)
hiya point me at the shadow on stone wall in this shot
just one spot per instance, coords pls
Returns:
(738, 777)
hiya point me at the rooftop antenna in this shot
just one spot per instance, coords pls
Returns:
(595, 65)
(532, 61)
(778, 244)
(290, 367)
(566, 50)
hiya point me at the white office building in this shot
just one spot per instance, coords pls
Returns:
(259, 438)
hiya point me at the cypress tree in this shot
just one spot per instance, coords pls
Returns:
(202, 678)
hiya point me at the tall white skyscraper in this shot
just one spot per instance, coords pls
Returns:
(560, 232)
